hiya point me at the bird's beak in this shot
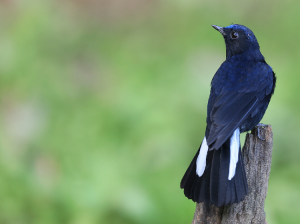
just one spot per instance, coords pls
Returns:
(220, 29)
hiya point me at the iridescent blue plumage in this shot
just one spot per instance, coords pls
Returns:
(240, 93)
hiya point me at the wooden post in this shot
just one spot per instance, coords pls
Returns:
(257, 159)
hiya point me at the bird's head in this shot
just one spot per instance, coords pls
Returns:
(238, 39)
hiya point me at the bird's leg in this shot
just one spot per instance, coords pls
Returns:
(260, 125)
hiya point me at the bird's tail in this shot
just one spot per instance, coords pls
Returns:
(215, 186)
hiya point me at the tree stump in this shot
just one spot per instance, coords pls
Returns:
(257, 154)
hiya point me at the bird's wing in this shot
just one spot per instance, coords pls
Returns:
(230, 107)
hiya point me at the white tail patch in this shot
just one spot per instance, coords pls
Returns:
(234, 152)
(201, 160)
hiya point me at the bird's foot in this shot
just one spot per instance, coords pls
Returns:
(260, 125)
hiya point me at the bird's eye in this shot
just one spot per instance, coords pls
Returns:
(234, 35)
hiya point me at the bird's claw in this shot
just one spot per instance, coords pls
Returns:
(260, 125)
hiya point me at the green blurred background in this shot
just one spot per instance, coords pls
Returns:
(103, 106)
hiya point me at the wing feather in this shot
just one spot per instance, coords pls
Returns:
(230, 105)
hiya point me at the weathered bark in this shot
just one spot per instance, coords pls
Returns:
(257, 159)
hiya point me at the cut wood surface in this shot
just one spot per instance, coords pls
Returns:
(257, 153)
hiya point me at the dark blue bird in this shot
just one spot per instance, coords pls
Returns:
(240, 94)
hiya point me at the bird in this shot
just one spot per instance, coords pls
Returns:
(241, 90)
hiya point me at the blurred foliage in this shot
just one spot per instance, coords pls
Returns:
(103, 105)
